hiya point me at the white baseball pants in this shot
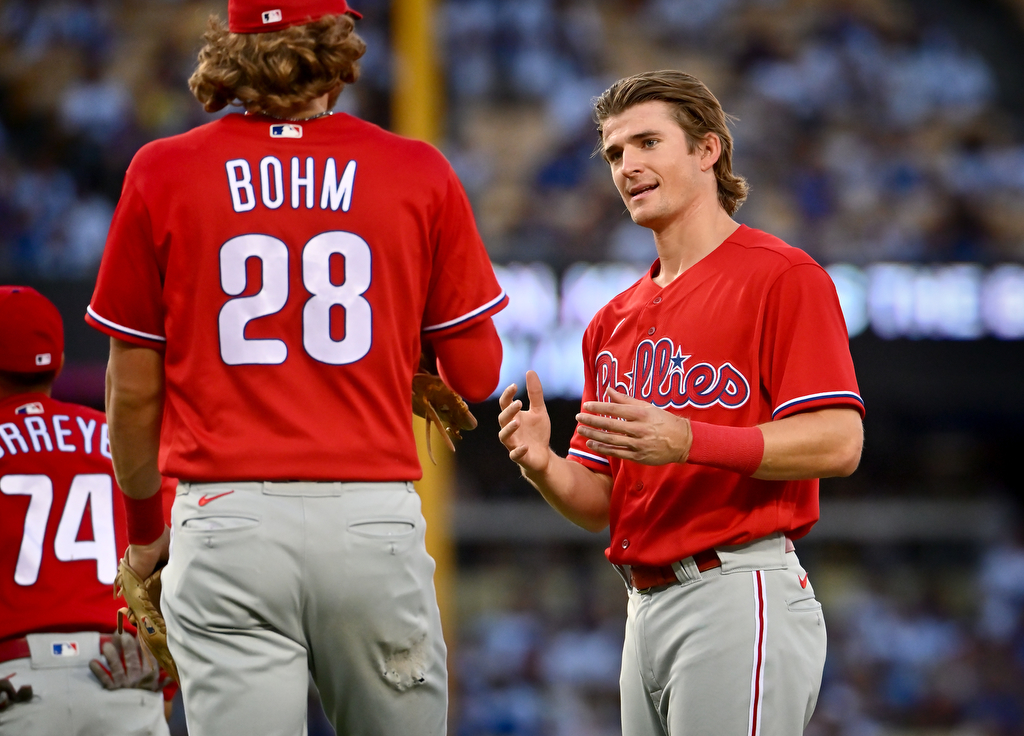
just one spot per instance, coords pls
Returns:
(734, 651)
(269, 580)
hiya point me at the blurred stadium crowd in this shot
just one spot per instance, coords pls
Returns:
(84, 84)
(868, 132)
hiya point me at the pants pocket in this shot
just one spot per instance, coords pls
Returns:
(392, 535)
(383, 528)
(803, 602)
(219, 523)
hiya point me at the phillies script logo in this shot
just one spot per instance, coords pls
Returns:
(662, 377)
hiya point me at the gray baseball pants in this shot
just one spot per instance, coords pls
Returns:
(69, 700)
(267, 581)
(734, 651)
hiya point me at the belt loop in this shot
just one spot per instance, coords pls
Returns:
(686, 570)
(623, 571)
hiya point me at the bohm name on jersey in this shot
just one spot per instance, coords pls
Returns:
(268, 177)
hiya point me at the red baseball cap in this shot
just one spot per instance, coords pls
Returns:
(31, 331)
(264, 16)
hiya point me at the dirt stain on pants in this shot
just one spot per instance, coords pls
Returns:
(404, 665)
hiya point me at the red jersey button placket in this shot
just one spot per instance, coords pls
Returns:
(650, 331)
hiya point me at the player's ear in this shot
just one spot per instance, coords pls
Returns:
(710, 150)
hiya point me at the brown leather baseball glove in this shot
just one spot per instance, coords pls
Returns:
(436, 402)
(143, 599)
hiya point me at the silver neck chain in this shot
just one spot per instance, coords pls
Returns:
(298, 120)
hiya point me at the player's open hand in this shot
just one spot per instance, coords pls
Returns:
(129, 665)
(526, 434)
(631, 429)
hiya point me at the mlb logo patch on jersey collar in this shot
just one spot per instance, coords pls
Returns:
(64, 648)
(285, 130)
(35, 407)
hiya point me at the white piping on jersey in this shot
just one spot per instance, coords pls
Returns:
(616, 328)
(816, 397)
(760, 649)
(588, 456)
(122, 328)
(468, 315)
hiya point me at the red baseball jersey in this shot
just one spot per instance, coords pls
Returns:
(751, 333)
(62, 526)
(289, 271)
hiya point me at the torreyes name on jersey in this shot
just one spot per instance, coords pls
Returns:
(306, 179)
(34, 435)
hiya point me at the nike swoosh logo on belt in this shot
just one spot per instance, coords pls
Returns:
(206, 499)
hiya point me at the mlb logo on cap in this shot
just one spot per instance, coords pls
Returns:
(44, 359)
(254, 16)
(285, 130)
(65, 649)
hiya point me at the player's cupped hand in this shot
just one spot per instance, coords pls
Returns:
(128, 665)
(631, 429)
(526, 434)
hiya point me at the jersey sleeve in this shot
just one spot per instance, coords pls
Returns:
(127, 302)
(578, 450)
(470, 360)
(463, 287)
(805, 350)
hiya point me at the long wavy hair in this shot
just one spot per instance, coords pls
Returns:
(265, 71)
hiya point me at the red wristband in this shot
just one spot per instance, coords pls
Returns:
(145, 518)
(739, 449)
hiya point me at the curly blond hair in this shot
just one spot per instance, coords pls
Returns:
(267, 71)
(697, 111)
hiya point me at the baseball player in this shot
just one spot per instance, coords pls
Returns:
(61, 526)
(719, 388)
(267, 284)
